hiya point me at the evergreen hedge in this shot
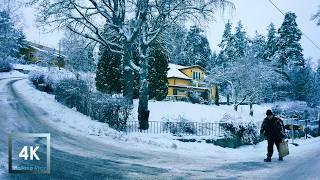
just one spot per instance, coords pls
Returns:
(97, 105)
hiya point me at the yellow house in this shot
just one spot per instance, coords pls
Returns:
(37, 53)
(186, 79)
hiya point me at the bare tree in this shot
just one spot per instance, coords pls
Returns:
(249, 78)
(118, 24)
(316, 17)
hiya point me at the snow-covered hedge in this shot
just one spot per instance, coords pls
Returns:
(47, 80)
(5, 65)
(42, 81)
(238, 133)
(99, 106)
(180, 126)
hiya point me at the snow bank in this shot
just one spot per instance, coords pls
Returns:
(11, 74)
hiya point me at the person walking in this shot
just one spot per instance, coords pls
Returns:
(273, 128)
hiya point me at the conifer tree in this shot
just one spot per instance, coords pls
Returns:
(157, 77)
(271, 44)
(240, 41)
(109, 77)
(226, 55)
(289, 50)
(197, 48)
(258, 46)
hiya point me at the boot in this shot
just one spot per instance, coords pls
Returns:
(280, 158)
(268, 159)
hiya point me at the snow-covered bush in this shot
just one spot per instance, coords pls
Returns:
(180, 126)
(72, 94)
(5, 65)
(296, 109)
(237, 133)
(314, 132)
(42, 81)
(114, 111)
(195, 97)
(47, 80)
(97, 105)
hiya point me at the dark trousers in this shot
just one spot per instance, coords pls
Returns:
(271, 142)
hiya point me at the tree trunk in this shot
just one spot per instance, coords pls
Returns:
(128, 74)
(251, 110)
(228, 99)
(143, 112)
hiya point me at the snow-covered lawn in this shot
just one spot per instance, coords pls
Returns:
(164, 110)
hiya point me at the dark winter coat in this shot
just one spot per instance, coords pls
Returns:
(273, 128)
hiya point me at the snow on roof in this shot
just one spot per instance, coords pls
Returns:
(174, 71)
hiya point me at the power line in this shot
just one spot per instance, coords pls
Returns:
(304, 34)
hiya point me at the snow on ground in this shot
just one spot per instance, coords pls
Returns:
(209, 156)
(29, 67)
(12, 74)
(163, 110)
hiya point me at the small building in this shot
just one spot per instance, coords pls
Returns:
(37, 53)
(184, 80)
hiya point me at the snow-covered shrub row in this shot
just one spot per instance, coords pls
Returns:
(238, 133)
(296, 109)
(180, 126)
(99, 106)
(42, 81)
(5, 65)
(47, 80)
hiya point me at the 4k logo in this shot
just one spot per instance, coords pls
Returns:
(29, 153)
(24, 153)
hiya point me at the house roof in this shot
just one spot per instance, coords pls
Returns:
(174, 71)
(44, 49)
(186, 67)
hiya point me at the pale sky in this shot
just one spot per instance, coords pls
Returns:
(255, 15)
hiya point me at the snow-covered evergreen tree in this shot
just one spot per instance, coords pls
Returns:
(213, 62)
(174, 42)
(11, 39)
(227, 51)
(157, 77)
(197, 48)
(240, 41)
(271, 44)
(289, 49)
(109, 76)
(300, 80)
(258, 46)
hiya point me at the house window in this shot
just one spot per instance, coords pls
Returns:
(196, 75)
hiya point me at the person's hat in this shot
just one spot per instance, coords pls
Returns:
(269, 112)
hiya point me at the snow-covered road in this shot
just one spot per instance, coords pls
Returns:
(18, 116)
(81, 156)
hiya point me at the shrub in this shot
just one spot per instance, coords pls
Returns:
(72, 93)
(195, 97)
(180, 127)
(236, 133)
(314, 132)
(97, 105)
(42, 81)
(5, 65)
